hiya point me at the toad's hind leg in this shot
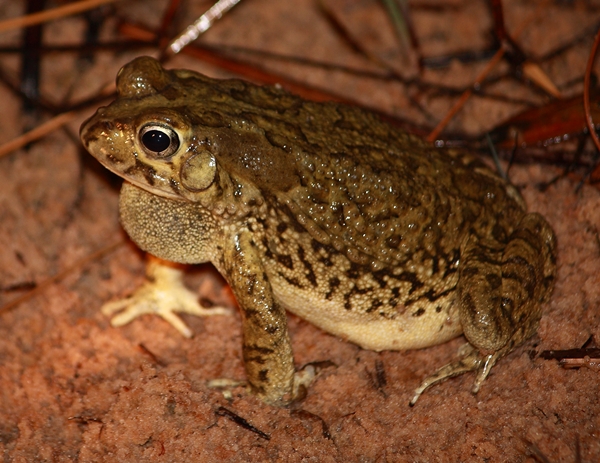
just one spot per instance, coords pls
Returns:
(501, 289)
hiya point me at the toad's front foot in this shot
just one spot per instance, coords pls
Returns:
(163, 294)
(302, 380)
(472, 360)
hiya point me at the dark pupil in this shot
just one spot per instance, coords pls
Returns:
(156, 141)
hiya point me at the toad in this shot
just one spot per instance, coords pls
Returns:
(322, 210)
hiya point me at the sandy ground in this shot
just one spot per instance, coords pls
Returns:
(72, 388)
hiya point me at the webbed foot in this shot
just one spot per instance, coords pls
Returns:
(472, 360)
(302, 379)
(163, 294)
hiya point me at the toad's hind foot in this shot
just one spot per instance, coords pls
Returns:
(163, 294)
(472, 360)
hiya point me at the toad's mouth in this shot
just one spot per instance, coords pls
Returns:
(156, 191)
(146, 187)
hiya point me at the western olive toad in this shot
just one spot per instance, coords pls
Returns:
(324, 210)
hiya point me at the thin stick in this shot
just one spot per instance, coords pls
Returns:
(465, 96)
(49, 15)
(36, 133)
(467, 93)
(201, 25)
(48, 126)
(59, 276)
(586, 92)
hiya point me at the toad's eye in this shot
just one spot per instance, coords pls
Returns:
(158, 140)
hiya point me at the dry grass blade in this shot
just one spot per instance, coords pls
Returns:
(245, 70)
(37, 133)
(493, 62)
(49, 15)
(59, 276)
(586, 99)
(534, 73)
(465, 96)
(400, 23)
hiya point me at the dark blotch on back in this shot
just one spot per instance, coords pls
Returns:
(268, 252)
(393, 241)
(354, 271)
(379, 277)
(285, 260)
(334, 283)
(310, 273)
(212, 119)
(263, 376)
(374, 305)
(495, 281)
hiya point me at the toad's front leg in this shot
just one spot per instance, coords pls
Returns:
(267, 349)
